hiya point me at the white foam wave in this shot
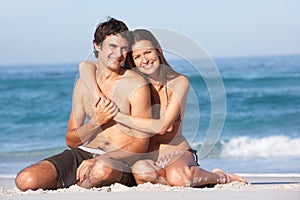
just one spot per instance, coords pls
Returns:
(8, 176)
(261, 147)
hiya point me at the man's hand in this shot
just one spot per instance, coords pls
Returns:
(84, 169)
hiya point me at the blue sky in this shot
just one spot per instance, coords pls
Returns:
(61, 31)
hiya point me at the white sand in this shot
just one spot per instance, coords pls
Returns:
(273, 186)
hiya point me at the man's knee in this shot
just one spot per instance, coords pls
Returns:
(178, 176)
(25, 180)
(38, 176)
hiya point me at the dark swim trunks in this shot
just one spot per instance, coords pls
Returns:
(67, 162)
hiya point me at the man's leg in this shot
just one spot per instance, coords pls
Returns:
(147, 171)
(54, 172)
(40, 175)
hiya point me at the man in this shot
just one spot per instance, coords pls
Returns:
(100, 136)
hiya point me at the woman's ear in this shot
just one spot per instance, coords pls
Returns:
(159, 52)
(159, 49)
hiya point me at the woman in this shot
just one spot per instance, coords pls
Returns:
(169, 160)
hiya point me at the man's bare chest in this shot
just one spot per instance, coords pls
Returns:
(115, 94)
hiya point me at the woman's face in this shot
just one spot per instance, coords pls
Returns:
(145, 57)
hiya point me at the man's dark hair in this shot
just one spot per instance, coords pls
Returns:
(110, 27)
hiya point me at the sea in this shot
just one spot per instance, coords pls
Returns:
(258, 121)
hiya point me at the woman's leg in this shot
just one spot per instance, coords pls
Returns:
(102, 172)
(183, 171)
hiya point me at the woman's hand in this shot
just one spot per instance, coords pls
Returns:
(98, 95)
(105, 110)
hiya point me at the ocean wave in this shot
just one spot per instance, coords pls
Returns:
(246, 147)
(242, 146)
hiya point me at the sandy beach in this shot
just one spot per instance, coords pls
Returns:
(261, 186)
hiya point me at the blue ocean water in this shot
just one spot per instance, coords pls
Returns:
(261, 133)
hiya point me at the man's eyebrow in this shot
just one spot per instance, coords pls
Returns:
(115, 45)
(112, 45)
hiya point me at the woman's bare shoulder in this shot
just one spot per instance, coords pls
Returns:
(175, 78)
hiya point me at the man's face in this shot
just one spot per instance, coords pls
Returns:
(113, 51)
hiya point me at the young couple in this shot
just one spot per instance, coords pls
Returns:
(134, 130)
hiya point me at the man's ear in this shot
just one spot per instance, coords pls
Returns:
(97, 46)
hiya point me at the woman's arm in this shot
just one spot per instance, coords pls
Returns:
(168, 117)
(87, 73)
(150, 126)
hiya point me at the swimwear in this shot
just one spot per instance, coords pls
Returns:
(166, 159)
(127, 176)
(67, 162)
